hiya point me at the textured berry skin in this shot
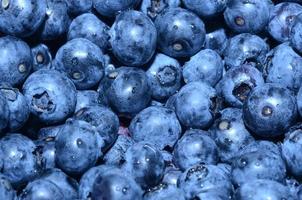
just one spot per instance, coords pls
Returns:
(164, 191)
(133, 38)
(194, 105)
(16, 63)
(4, 113)
(21, 18)
(77, 7)
(247, 16)
(6, 189)
(180, 32)
(156, 125)
(86, 98)
(206, 9)
(42, 59)
(154, 8)
(217, 40)
(270, 110)
(82, 61)
(51, 100)
(295, 35)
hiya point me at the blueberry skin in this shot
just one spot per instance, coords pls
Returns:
(171, 176)
(133, 38)
(269, 110)
(164, 76)
(246, 48)
(237, 84)
(83, 62)
(281, 20)
(205, 66)
(263, 189)
(291, 147)
(18, 107)
(217, 40)
(201, 180)
(156, 125)
(206, 9)
(145, 163)
(41, 190)
(41, 57)
(4, 113)
(51, 100)
(16, 63)
(21, 18)
(164, 191)
(261, 164)
(116, 185)
(56, 22)
(90, 27)
(230, 134)
(247, 16)
(284, 66)
(295, 35)
(180, 32)
(50, 132)
(77, 147)
(88, 179)
(47, 152)
(103, 120)
(68, 185)
(194, 105)
(260, 145)
(6, 190)
(116, 154)
(77, 7)
(193, 148)
(153, 8)
(129, 91)
(86, 98)
(20, 164)
(112, 8)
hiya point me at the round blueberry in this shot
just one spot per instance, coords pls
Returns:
(296, 33)
(207, 8)
(164, 191)
(153, 8)
(77, 7)
(7, 192)
(41, 57)
(86, 98)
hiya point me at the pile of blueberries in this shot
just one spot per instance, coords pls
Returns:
(150, 100)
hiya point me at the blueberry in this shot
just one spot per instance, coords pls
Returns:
(299, 101)
(18, 108)
(290, 150)
(133, 38)
(217, 40)
(116, 185)
(171, 176)
(247, 16)
(49, 133)
(156, 125)
(269, 110)
(170, 103)
(90, 27)
(281, 20)
(237, 84)
(21, 18)
(195, 105)
(295, 35)
(202, 180)
(16, 60)
(145, 163)
(246, 48)
(50, 95)
(41, 190)
(260, 145)
(193, 148)
(4, 113)
(164, 191)
(112, 8)
(284, 66)
(56, 22)
(77, 147)
(82, 61)
(164, 76)
(180, 32)
(154, 7)
(260, 164)
(206, 9)
(41, 57)
(20, 164)
(205, 66)
(6, 190)
(103, 119)
(230, 133)
(77, 7)
(47, 152)
(129, 91)
(67, 185)
(263, 189)
(116, 154)
(86, 98)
